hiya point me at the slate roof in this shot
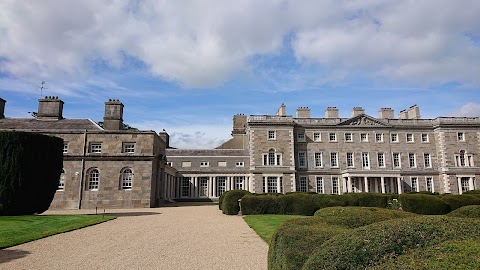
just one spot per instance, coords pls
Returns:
(206, 152)
(34, 124)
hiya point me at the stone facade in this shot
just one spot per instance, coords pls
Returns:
(334, 155)
(103, 167)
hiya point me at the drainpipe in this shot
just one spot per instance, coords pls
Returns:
(82, 170)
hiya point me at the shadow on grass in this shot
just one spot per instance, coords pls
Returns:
(10, 255)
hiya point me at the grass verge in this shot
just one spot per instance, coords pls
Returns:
(15, 230)
(266, 225)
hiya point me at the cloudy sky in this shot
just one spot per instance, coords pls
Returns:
(189, 66)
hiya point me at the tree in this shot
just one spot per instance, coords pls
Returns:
(30, 168)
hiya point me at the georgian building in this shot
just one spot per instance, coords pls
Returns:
(333, 155)
(105, 167)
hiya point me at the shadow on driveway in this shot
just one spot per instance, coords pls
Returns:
(10, 255)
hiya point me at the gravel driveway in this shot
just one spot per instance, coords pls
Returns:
(177, 237)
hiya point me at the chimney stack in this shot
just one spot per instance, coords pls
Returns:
(165, 137)
(411, 113)
(113, 118)
(331, 112)
(386, 113)
(282, 111)
(50, 109)
(303, 112)
(2, 108)
(357, 111)
(239, 124)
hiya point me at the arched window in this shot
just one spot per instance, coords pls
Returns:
(93, 179)
(127, 178)
(61, 183)
(462, 158)
(272, 158)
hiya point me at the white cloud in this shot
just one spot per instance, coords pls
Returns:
(470, 109)
(204, 43)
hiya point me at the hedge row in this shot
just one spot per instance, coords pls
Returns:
(470, 211)
(295, 240)
(377, 243)
(300, 203)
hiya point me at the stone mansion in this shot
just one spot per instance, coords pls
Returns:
(110, 167)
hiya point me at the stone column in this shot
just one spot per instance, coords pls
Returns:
(349, 184)
(278, 184)
(344, 185)
(391, 185)
(375, 183)
(209, 187)
(365, 182)
(266, 184)
(382, 183)
(399, 185)
(470, 184)
(214, 189)
(459, 183)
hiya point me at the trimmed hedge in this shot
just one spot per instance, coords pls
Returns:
(470, 211)
(294, 241)
(457, 201)
(253, 204)
(374, 244)
(475, 192)
(423, 204)
(354, 217)
(30, 168)
(230, 201)
(297, 204)
(366, 199)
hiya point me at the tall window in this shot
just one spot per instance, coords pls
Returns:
(424, 137)
(332, 137)
(381, 160)
(318, 159)
(350, 160)
(239, 182)
(221, 185)
(461, 136)
(65, 147)
(335, 189)
(365, 161)
(379, 137)
(272, 158)
(414, 184)
(185, 187)
(301, 160)
(333, 159)
(464, 181)
(429, 182)
(320, 184)
(129, 148)
(93, 179)
(271, 135)
(203, 186)
(272, 184)
(317, 136)
(463, 159)
(127, 178)
(396, 160)
(426, 159)
(411, 160)
(301, 137)
(348, 137)
(303, 184)
(61, 182)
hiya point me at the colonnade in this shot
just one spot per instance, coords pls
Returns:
(372, 184)
(211, 186)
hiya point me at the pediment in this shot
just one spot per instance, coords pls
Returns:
(363, 120)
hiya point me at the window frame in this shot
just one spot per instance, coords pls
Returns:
(126, 179)
(93, 184)
(409, 138)
(301, 137)
(271, 138)
(61, 181)
(425, 155)
(240, 164)
(383, 164)
(363, 139)
(392, 135)
(350, 135)
(95, 148)
(317, 138)
(334, 135)
(303, 183)
(302, 159)
(334, 156)
(127, 146)
(318, 156)
(65, 147)
(462, 139)
(204, 164)
(365, 160)
(352, 160)
(319, 179)
(410, 155)
(399, 159)
(381, 137)
(424, 138)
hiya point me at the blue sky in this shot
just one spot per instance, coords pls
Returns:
(189, 66)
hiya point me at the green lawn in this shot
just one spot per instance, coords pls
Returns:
(16, 230)
(265, 225)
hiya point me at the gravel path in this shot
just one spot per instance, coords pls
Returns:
(176, 237)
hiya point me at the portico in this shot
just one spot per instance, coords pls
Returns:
(354, 182)
(212, 186)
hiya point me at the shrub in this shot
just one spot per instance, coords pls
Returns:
(330, 200)
(298, 204)
(424, 204)
(30, 166)
(374, 244)
(473, 192)
(470, 211)
(366, 199)
(457, 201)
(260, 204)
(230, 201)
(296, 239)
(220, 200)
(354, 217)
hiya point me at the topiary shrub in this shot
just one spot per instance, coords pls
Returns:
(294, 241)
(298, 204)
(230, 201)
(354, 217)
(260, 204)
(457, 201)
(30, 168)
(374, 244)
(470, 211)
(473, 192)
(366, 199)
(220, 200)
(330, 200)
(423, 204)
